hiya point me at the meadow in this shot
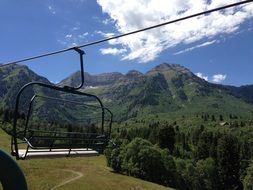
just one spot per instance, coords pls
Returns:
(87, 173)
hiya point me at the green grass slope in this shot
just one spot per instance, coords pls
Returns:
(47, 173)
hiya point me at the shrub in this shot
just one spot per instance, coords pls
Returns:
(143, 160)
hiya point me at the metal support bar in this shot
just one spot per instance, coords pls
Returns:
(81, 53)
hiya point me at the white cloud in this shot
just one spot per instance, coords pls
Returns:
(73, 39)
(106, 35)
(106, 21)
(75, 28)
(112, 51)
(73, 44)
(197, 46)
(201, 75)
(83, 35)
(68, 36)
(218, 78)
(72, 34)
(51, 9)
(129, 15)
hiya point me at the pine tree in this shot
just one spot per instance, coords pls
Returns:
(228, 162)
(248, 180)
(196, 134)
(204, 144)
(166, 137)
(221, 118)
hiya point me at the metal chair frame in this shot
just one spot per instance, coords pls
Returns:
(66, 89)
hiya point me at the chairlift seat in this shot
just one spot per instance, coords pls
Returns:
(34, 153)
(62, 143)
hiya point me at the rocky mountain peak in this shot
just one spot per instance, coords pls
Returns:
(170, 70)
(166, 66)
(134, 73)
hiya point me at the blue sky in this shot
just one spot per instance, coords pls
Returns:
(218, 47)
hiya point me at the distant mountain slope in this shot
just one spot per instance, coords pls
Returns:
(165, 89)
(244, 92)
(91, 80)
(169, 88)
(12, 78)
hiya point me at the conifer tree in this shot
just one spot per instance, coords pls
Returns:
(248, 180)
(166, 137)
(228, 162)
(204, 144)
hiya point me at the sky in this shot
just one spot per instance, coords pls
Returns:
(217, 47)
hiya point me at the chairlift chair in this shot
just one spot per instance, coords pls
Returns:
(56, 142)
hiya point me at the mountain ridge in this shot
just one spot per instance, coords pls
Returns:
(165, 89)
(168, 88)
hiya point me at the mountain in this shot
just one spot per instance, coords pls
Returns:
(134, 74)
(244, 92)
(12, 78)
(91, 80)
(166, 91)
